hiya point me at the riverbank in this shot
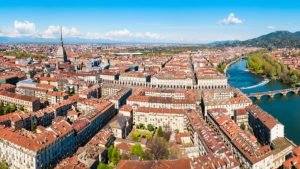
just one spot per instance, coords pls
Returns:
(260, 63)
(285, 109)
(223, 67)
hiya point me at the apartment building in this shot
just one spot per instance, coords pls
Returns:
(264, 126)
(159, 98)
(29, 103)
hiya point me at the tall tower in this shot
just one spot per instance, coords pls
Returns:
(61, 39)
(61, 55)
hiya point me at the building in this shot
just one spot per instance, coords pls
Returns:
(294, 161)
(157, 164)
(264, 126)
(109, 75)
(95, 115)
(243, 144)
(173, 119)
(229, 99)
(25, 149)
(210, 78)
(241, 118)
(121, 126)
(7, 87)
(29, 103)
(119, 98)
(159, 98)
(91, 92)
(16, 120)
(134, 78)
(205, 139)
(214, 162)
(10, 79)
(48, 95)
(173, 80)
(61, 54)
(282, 149)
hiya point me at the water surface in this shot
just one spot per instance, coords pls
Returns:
(285, 108)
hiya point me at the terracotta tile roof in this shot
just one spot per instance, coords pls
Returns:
(268, 120)
(242, 140)
(160, 110)
(126, 108)
(124, 146)
(35, 141)
(157, 164)
(18, 96)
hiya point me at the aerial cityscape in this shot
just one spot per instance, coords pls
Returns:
(149, 85)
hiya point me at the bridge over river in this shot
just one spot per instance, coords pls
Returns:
(273, 93)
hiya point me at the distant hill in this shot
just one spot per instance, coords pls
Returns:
(278, 39)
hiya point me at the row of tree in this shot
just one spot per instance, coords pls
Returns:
(149, 127)
(22, 54)
(260, 62)
(221, 66)
(8, 108)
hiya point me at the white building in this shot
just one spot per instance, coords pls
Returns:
(28, 150)
(265, 127)
(158, 98)
(175, 119)
(210, 78)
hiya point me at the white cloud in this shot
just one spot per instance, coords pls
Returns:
(126, 34)
(20, 28)
(54, 32)
(26, 28)
(231, 19)
(271, 27)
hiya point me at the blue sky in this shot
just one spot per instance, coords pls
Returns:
(193, 21)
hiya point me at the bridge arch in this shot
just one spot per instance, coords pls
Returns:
(253, 97)
(268, 96)
(278, 94)
(274, 93)
(291, 92)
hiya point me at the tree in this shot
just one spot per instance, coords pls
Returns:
(3, 165)
(6, 109)
(147, 155)
(159, 148)
(136, 135)
(167, 135)
(22, 108)
(140, 126)
(294, 79)
(116, 156)
(137, 150)
(13, 107)
(160, 133)
(1, 108)
(103, 166)
(150, 127)
(243, 127)
(109, 152)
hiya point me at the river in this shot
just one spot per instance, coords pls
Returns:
(285, 108)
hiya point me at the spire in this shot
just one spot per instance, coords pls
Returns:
(61, 39)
